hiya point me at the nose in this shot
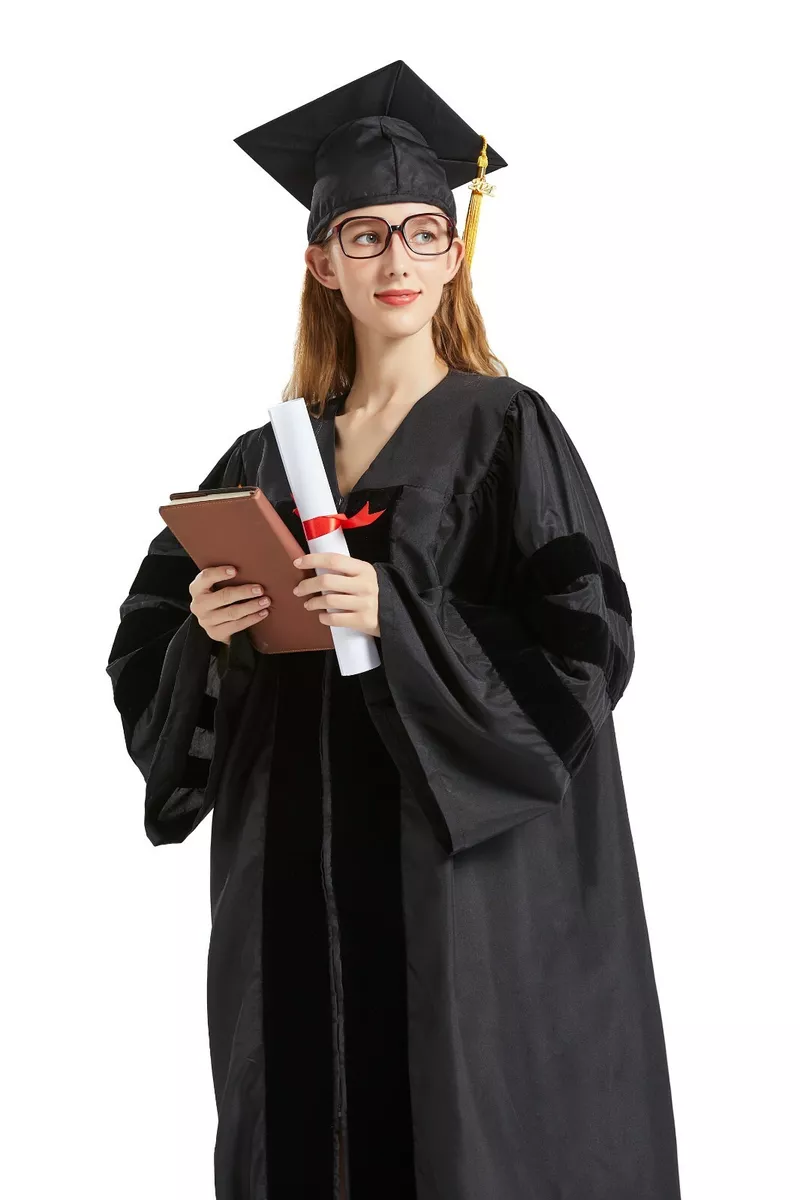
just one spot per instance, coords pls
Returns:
(391, 246)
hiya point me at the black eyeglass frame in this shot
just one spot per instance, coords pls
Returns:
(337, 229)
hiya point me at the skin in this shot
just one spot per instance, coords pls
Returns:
(396, 363)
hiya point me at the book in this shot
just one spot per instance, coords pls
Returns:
(240, 527)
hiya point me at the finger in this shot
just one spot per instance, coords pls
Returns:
(216, 617)
(226, 629)
(343, 600)
(343, 563)
(343, 583)
(347, 620)
(204, 579)
(321, 583)
(350, 621)
(224, 633)
(243, 622)
(207, 602)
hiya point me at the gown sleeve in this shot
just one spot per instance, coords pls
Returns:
(506, 640)
(175, 687)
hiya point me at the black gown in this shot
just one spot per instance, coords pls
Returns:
(427, 923)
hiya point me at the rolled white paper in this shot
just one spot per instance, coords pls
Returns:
(305, 470)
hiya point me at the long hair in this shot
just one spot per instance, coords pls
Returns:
(325, 349)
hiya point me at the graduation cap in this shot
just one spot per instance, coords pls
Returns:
(382, 139)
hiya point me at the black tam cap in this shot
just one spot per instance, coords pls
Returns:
(382, 139)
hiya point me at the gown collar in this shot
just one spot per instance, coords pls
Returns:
(326, 437)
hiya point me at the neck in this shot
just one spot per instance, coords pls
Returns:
(392, 373)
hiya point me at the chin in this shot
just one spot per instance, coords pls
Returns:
(416, 313)
(400, 327)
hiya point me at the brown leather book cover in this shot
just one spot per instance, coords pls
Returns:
(239, 526)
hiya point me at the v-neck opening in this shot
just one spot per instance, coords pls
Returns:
(336, 410)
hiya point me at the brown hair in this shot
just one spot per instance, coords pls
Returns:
(325, 353)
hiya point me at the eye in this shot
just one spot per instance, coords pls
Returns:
(427, 233)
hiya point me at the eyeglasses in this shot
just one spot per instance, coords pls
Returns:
(367, 237)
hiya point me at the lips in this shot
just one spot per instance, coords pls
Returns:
(397, 297)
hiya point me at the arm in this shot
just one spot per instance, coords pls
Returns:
(170, 685)
(507, 646)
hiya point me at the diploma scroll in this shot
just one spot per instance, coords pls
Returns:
(355, 651)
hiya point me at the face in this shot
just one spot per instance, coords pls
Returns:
(360, 280)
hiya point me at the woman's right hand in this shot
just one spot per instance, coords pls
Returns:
(229, 609)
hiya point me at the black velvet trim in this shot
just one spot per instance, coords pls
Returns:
(569, 632)
(560, 562)
(367, 882)
(298, 1038)
(205, 716)
(532, 681)
(584, 636)
(615, 592)
(165, 575)
(195, 772)
(556, 569)
(142, 625)
(554, 566)
(139, 678)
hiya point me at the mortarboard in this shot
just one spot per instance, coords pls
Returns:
(383, 138)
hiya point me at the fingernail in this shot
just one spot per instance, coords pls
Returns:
(297, 562)
(231, 571)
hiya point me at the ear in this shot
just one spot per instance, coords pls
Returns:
(458, 251)
(319, 263)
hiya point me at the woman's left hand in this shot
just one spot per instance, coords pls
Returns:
(352, 585)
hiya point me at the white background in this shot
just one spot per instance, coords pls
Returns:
(638, 266)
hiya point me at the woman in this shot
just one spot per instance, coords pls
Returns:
(429, 970)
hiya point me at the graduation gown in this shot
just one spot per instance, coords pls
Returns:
(427, 923)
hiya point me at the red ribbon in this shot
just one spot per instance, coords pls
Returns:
(319, 526)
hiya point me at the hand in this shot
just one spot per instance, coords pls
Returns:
(226, 611)
(352, 585)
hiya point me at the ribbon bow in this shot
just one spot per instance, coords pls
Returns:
(318, 526)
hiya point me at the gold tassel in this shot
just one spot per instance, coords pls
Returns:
(479, 188)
